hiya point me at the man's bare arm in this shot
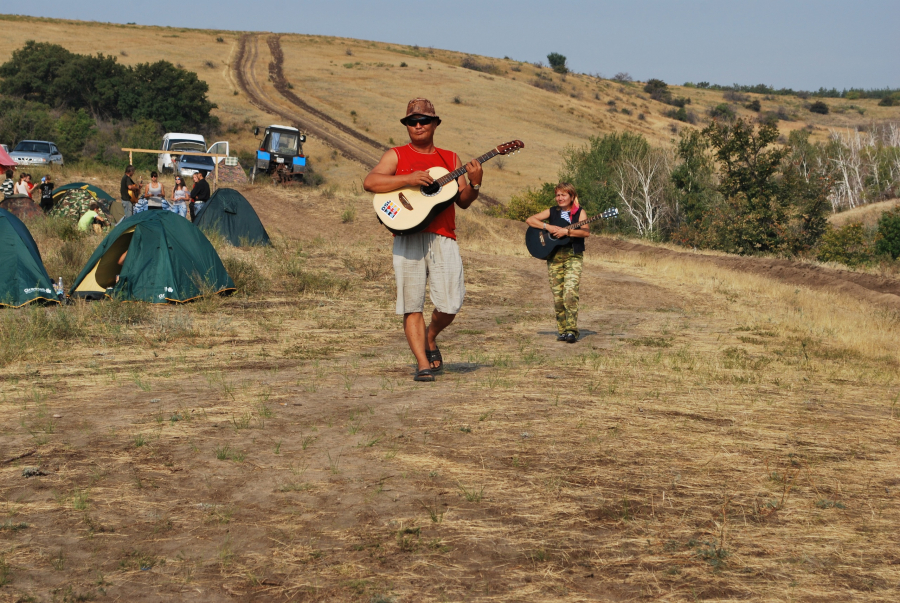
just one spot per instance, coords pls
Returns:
(467, 194)
(383, 180)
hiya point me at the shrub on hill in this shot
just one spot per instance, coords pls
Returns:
(754, 105)
(557, 62)
(847, 245)
(530, 201)
(682, 114)
(722, 111)
(819, 107)
(887, 237)
(475, 65)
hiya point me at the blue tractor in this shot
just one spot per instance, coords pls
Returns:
(280, 155)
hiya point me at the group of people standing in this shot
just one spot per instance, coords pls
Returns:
(26, 187)
(153, 196)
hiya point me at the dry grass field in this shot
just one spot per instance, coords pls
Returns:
(867, 215)
(726, 428)
(715, 435)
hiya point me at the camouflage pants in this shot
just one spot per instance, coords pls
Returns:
(564, 268)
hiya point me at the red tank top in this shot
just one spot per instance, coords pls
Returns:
(409, 161)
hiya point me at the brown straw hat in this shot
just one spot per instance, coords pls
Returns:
(420, 106)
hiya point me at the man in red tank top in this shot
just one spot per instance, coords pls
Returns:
(432, 253)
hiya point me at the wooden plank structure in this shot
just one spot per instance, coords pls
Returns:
(161, 151)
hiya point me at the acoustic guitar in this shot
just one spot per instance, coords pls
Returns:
(541, 243)
(410, 209)
(135, 195)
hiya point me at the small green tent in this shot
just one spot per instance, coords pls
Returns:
(73, 204)
(102, 196)
(228, 212)
(23, 278)
(168, 261)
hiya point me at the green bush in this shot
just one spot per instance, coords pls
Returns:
(847, 245)
(73, 129)
(50, 74)
(754, 105)
(530, 202)
(887, 236)
(557, 62)
(819, 107)
(722, 111)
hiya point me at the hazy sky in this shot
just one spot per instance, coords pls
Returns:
(784, 43)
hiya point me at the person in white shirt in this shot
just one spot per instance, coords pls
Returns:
(21, 187)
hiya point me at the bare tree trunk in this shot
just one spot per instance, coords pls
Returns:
(641, 185)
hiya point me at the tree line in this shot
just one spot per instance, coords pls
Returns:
(737, 187)
(91, 105)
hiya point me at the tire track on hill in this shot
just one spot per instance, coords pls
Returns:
(351, 143)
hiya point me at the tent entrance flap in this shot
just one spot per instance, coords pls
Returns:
(103, 274)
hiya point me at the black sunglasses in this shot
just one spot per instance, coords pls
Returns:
(423, 120)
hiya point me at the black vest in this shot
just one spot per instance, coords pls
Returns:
(556, 219)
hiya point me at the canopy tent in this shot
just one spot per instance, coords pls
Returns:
(103, 197)
(168, 260)
(229, 213)
(23, 278)
(73, 204)
(5, 160)
(21, 206)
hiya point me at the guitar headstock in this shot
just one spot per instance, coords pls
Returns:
(612, 212)
(510, 147)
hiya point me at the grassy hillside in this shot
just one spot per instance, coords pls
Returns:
(364, 85)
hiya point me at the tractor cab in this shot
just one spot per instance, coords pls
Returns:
(280, 154)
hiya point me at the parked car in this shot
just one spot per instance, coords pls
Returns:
(179, 141)
(36, 152)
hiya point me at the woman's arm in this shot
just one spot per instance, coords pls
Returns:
(537, 221)
(583, 232)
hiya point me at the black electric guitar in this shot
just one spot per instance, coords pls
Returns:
(541, 243)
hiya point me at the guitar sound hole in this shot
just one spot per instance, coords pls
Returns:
(431, 190)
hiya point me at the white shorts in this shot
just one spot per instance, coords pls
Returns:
(423, 256)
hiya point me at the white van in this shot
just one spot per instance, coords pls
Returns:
(178, 141)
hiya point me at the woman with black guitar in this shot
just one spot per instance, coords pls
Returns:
(566, 262)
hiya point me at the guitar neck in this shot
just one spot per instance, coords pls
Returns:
(584, 222)
(462, 170)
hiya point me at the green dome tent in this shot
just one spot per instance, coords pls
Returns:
(228, 212)
(168, 261)
(102, 196)
(23, 278)
(61, 196)
(73, 203)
